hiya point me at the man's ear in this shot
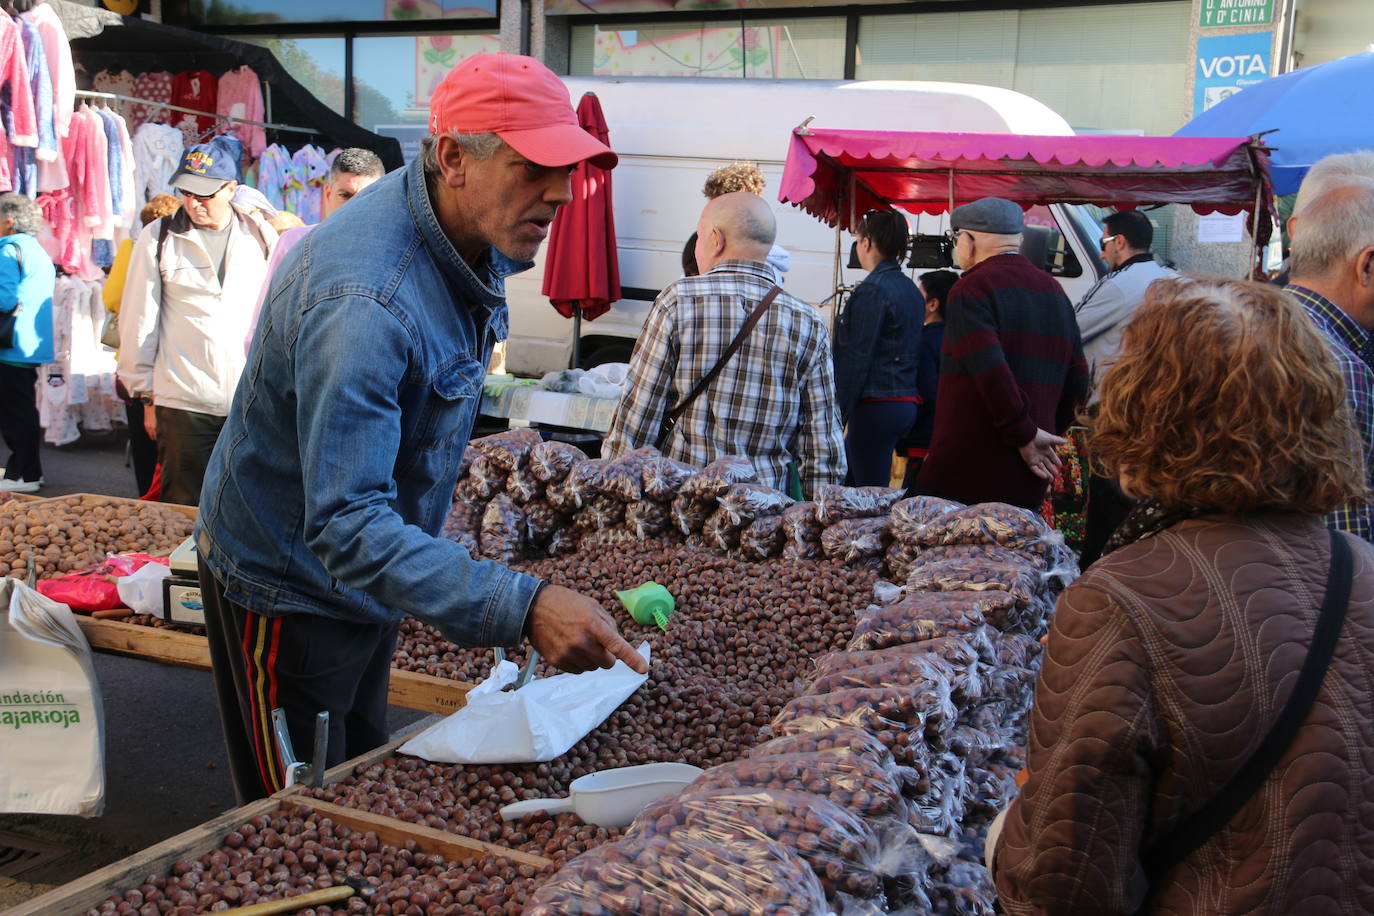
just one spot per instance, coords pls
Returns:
(717, 241)
(1364, 267)
(453, 162)
(1290, 226)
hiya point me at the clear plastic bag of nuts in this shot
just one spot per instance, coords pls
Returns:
(623, 478)
(1023, 581)
(802, 530)
(927, 615)
(855, 539)
(503, 530)
(854, 782)
(763, 539)
(688, 514)
(924, 671)
(850, 855)
(720, 532)
(841, 741)
(551, 461)
(911, 516)
(666, 875)
(959, 658)
(663, 478)
(522, 486)
(485, 480)
(835, 503)
(745, 502)
(712, 481)
(896, 718)
(508, 450)
(584, 480)
(648, 519)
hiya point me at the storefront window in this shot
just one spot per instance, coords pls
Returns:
(807, 48)
(254, 12)
(1109, 68)
(394, 75)
(315, 63)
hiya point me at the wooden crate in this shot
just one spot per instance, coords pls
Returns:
(409, 689)
(75, 897)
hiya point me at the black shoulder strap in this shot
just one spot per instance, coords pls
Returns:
(1192, 833)
(163, 230)
(676, 413)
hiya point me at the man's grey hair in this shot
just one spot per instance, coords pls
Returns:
(757, 230)
(478, 146)
(1335, 226)
(1330, 172)
(26, 213)
(356, 161)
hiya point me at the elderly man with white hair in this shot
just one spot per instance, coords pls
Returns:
(1333, 278)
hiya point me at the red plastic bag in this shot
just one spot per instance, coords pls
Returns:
(93, 588)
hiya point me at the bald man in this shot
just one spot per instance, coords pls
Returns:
(774, 399)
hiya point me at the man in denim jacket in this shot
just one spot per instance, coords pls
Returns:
(328, 489)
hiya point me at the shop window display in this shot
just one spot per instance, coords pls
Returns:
(811, 48)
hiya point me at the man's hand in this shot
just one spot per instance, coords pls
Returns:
(150, 421)
(574, 634)
(1041, 454)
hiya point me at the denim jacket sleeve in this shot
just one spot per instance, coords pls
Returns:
(856, 337)
(349, 426)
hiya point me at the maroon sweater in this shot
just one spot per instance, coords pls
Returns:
(1012, 362)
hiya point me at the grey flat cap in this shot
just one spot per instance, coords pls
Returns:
(990, 214)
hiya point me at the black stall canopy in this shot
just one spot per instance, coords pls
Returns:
(103, 40)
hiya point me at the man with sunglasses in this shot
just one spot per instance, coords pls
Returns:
(1110, 303)
(1102, 314)
(193, 278)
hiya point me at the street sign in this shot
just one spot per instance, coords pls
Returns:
(1236, 12)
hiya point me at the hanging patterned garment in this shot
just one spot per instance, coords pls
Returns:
(196, 89)
(240, 96)
(156, 86)
(309, 171)
(157, 153)
(274, 175)
(119, 82)
(26, 158)
(22, 126)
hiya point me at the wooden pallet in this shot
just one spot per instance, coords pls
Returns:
(76, 897)
(409, 689)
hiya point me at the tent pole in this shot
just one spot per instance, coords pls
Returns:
(577, 338)
(951, 192)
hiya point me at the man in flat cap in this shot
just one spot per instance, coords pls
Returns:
(326, 496)
(1012, 372)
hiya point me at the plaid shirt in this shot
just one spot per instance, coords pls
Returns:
(774, 402)
(1354, 351)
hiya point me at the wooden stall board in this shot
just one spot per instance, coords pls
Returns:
(410, 689)
(76, 897)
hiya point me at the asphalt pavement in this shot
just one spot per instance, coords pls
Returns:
(165, 766)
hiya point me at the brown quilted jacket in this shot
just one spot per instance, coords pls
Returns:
(1167, 663)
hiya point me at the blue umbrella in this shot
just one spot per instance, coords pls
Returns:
(1315, 111)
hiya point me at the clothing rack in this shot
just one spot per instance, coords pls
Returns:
(157, 106)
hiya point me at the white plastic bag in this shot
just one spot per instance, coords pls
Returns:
(142, 589)
(605, 381)
(536, 723)
(52, 753)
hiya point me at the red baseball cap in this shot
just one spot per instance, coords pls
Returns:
(521, 101)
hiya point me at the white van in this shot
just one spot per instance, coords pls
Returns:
(671, 133)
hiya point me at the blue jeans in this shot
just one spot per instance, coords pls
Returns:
(871, 437)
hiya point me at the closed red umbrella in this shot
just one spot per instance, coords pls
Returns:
(582, 270)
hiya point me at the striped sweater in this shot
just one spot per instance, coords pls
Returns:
(1011, 361)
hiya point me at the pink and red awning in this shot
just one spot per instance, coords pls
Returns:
(837, 175)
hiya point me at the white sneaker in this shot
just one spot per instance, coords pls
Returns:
(21, 486)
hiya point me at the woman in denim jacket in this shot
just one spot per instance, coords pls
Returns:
(878, 350)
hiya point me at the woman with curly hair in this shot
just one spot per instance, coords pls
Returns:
(729, 179)
(1178, 760)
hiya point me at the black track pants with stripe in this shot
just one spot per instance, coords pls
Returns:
(301, 663)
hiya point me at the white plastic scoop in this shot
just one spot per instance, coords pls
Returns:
(611, 798)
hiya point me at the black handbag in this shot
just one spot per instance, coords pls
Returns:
(1207, 821)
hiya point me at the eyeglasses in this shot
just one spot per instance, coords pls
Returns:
(201, 197)
(953, 234)
(1103, 243)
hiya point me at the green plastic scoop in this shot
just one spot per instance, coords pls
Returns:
(648, 604)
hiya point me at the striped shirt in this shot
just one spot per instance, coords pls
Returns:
(1354, 351)
(774, 402)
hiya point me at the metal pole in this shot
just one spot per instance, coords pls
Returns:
(577, 338)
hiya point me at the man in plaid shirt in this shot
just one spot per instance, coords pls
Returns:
(1333, 279)
(774, 402)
